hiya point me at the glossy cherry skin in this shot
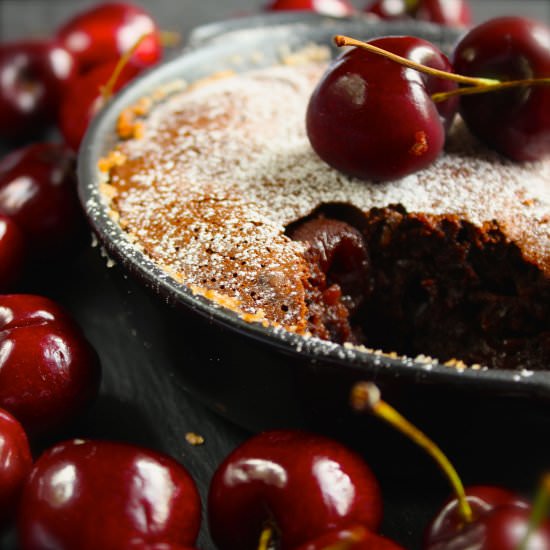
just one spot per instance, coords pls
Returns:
(352, 538)
(100, 494)
(336, 8)
(38, 192)
(83, 99)
(32, 77)
(483, 499)
(453, 13)
(15, 464)
(305, 483)
(514, 122)
(49, 372)
(374, 119)
(105, 31)
(12, 253)
(500, 529)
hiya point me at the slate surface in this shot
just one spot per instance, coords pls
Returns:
(142, 402)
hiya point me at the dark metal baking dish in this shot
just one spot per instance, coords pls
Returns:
(254, 375)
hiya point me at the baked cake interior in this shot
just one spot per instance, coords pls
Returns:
(421, 284)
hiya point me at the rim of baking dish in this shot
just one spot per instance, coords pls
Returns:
(222, 40)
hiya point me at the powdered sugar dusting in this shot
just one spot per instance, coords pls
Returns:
(226, 165)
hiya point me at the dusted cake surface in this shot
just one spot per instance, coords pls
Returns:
(220, 170)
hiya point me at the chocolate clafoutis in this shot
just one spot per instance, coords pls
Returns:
(219, 186)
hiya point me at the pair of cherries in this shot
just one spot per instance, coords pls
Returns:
(95, 494)
(443, 12)
(59, 80)
(382, 114)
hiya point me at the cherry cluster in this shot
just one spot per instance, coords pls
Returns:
(444, 12)
(382, 109)
(49, 372)
(61, 81)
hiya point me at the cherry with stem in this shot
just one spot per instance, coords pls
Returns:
(516, 126)
(481, 517)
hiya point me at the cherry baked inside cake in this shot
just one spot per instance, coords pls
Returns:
(219, 186)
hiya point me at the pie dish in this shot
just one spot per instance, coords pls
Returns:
(198, 286)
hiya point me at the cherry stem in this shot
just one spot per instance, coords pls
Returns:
(365, 396)
(266, 538)
(107, 90)
(443, 96)
(540, 509)
(340, 41)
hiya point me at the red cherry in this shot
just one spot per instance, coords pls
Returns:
(104, 32)
(336, 8)
(339, 274)
(449, 523)
(306, 484)
(15, 463)
(515, 122)
(98, 494)
(140, 545)
(48, 371)
(83, 99)
(32, 77)
(352, 538)
(12, 253)
(38, 191)
(455, 13)
(502, 528)
(372, 118)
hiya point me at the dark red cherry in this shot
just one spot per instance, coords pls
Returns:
(336, 8)
(304, 484)
(502, 528)
(98, 494)
(515, 122)
(104, 32)
(38, 191)
(83, 99)
(12, 253)
(455, 13)
(140, 545)
(15, 464)
(48, 371)
(32, 77)
(352, 538)
(339, 274)
(372, 118)
(482, 499)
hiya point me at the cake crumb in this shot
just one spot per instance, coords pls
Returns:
(194, 439)
(114, 158)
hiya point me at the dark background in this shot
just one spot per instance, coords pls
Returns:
(143, 401)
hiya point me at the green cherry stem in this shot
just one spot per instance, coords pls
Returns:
(474, 85)
(442, 96)
(107, 90)
(365, 396)
(340, 41)
(266, 538)
(541, 506)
